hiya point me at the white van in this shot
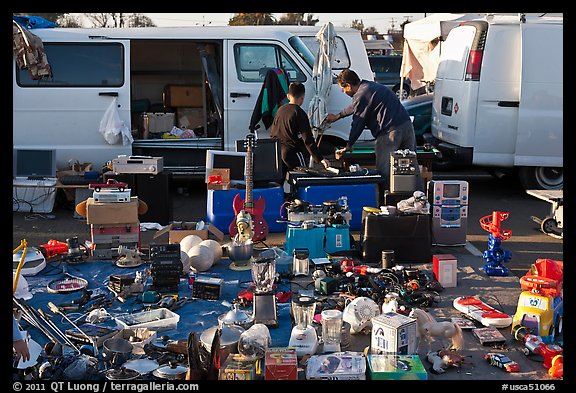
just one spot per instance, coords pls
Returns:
(222, 66)
(498, 97)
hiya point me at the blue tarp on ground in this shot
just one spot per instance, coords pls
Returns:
(197, 315)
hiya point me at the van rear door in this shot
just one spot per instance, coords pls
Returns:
(455, 98)
(65, 112)
(541, 96)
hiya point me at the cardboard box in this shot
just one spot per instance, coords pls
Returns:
(445, 269)
(345, 365)
(281, 364)
(183, 96)
(111, 212)
(396, 367)
(224, 173)
(189, 118)
(179, 230)
(237, 368)
(393, 333)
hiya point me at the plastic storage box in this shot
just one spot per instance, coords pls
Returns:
(159, 319)
(358, 195)
(33, 196)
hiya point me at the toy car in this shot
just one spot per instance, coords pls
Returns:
(110, 183)
(502, 361)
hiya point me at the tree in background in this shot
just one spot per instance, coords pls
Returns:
(113, 19)
(251, 19)
(68, 20)
(359, 25)
(297, 19)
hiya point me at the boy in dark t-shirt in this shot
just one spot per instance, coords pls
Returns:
(291, 126)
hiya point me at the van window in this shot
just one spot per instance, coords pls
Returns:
(253, 60)
(455, 52)
(80, 65)
(340, 61)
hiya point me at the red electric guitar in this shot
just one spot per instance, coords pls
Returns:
(255, 209)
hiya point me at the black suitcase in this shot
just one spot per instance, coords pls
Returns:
(408, 235)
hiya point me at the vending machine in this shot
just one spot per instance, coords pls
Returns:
(449, 209)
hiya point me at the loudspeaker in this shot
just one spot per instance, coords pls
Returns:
(155, 191)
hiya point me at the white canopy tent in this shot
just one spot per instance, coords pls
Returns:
(422, 45)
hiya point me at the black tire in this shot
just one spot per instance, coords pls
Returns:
(541, 178)
(549, 225)
(405, 92)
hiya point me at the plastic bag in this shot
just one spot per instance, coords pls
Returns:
(113, 128)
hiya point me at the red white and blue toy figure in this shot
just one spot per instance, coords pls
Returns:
(495, 255)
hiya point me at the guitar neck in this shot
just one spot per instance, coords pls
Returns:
(248, 203)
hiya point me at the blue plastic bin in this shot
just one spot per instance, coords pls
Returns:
(359, 195)
(220, 211)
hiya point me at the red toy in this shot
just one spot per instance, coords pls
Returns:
(53, 248)
(535, 345)
(557, 369)
(110, 183)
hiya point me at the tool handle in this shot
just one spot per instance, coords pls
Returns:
(54, 308)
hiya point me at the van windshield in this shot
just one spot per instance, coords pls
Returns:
(302, 50)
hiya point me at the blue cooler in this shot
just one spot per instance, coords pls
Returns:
(220, 211)
(319, 240)
(359, 195)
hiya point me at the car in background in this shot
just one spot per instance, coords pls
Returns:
(386, 71)
(419, 109)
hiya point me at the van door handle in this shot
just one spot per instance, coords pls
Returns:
(108, 93)
(509, 104)
(235, 95)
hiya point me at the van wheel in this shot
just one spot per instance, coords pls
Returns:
(541, 178)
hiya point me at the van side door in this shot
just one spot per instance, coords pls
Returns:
(247, 62)
(65, 112)
(540, 120)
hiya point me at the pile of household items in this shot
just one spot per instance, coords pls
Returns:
(323, 306)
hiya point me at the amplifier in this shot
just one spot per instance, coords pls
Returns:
(165, 251)
(105, 195)
(208, 288)
(403, 164)
(166, 271)
(138, 164)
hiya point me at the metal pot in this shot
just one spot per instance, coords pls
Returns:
(240, 252)
(171, 371)
(228, 339)
(117, 350)
(122, 374)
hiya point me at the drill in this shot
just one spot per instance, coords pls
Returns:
(534, 344)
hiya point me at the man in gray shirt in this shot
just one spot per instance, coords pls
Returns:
(376, 107)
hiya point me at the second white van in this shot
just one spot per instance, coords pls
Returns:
(498, 97)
